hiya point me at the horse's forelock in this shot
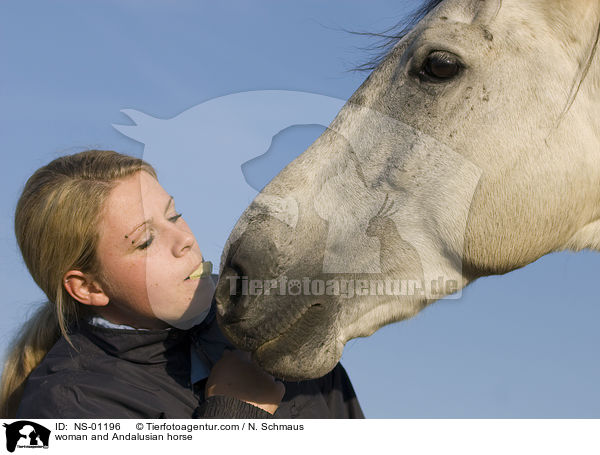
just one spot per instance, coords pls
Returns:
(389, 37)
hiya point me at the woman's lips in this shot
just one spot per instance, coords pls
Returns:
(203, 270)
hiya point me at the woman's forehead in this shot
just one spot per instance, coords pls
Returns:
(139, 190)
(133, 200)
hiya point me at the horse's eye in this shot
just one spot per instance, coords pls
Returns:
(441, 65)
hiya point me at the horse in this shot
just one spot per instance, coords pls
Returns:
(472, 149)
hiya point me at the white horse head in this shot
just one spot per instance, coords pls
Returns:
(472, 149)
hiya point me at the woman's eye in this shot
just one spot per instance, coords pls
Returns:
(175, 218)
(146, 244)
(441, 66)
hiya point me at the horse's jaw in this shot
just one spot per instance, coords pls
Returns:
(311, 343)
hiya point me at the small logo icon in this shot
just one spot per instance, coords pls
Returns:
(26, 434)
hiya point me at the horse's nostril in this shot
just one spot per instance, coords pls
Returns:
(237, 274)
(230, 292)
(244, 265)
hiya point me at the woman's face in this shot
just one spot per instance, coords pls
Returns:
(146, 251)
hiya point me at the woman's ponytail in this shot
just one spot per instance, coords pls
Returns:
(27, 351)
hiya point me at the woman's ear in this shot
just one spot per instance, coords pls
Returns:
(84, 289)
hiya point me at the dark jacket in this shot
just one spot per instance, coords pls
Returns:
(119, 373)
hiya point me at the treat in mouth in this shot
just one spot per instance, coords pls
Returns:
(204, 270)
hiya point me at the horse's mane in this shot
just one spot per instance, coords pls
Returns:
(388, 38)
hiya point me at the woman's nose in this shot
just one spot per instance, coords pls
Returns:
(184, 241)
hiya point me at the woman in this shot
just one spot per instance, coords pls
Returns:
(126, 332)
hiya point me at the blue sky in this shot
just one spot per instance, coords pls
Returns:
(520, 345)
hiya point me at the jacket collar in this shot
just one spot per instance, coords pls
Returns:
(157, 346)
(139, 346)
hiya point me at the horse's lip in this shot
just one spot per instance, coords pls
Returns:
(255, 342)
(287, 328)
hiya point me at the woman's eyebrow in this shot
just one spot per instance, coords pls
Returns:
(149, 220)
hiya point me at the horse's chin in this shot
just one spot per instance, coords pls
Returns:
(308, 349)
(313, 359)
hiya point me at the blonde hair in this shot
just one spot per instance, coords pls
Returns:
(56, 221)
